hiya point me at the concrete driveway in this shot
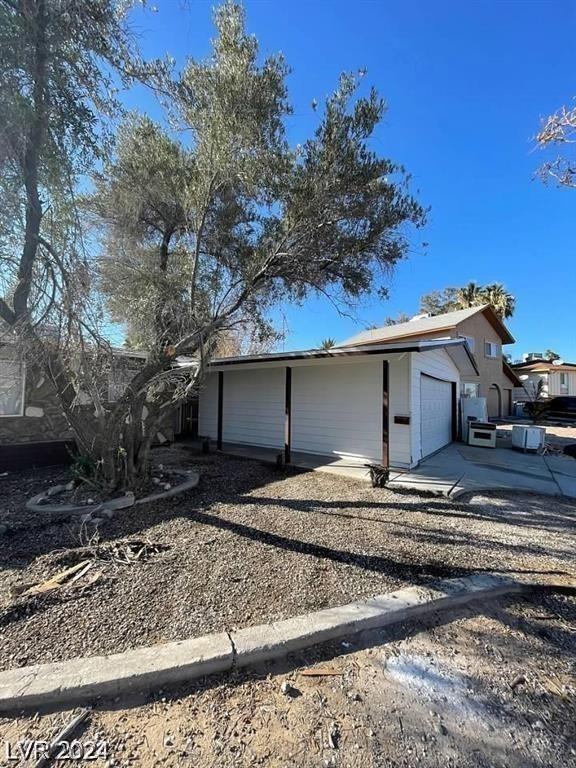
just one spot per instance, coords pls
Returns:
(461, 468)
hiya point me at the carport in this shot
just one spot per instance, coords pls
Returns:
(389, 404)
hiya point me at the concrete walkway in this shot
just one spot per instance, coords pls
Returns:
(460, 468)
(454, 470)
(336, 465)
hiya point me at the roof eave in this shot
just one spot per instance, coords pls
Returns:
(509, 372)
(343, 352)
(498, 325)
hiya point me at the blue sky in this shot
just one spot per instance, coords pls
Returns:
(466, 84)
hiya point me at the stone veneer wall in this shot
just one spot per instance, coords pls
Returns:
(43, 420)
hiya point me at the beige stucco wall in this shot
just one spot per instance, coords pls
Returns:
(490, 369)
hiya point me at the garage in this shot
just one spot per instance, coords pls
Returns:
(436, 410)
(388, 403)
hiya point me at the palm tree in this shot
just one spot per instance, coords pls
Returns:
(469, 296)
(327, 343)
(503, 302)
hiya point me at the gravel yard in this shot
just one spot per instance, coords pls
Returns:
(249, 545)
(492, 688)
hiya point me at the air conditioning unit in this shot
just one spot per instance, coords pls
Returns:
(528, 438)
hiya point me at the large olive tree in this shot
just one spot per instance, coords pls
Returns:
(204, 229)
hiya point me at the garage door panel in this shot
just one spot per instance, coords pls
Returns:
(337, 410)
(253, 408)
(436, 413)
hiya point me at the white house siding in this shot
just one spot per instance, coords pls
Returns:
(400, 454)
(337, 409)
(437, 363)
(208, 407)
(554, 385)
(253, 407)
(336, 405)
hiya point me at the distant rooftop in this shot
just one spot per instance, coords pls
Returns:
(426, 324)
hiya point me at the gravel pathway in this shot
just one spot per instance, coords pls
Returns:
(252, 545)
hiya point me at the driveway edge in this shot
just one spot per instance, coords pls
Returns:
(154, 667)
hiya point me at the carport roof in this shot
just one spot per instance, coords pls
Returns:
(457, 349)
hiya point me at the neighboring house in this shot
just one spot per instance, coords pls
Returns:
(557, 377)
(485, 334)
(33, 428)
(392, 403)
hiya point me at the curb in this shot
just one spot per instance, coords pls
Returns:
(460, 490)
(154, 667)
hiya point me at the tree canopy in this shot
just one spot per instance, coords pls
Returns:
(194, 228)
(558, 132)
(470, 295)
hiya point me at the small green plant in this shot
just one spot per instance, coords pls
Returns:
(83, 469)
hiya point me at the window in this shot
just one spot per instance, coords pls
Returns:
(490, 349)
(470, 340)
(469, 389)
(11, 388)
(563, 383)
(118, 380)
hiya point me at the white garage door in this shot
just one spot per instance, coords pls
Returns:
(436, 410)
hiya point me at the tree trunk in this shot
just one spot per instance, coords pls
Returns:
(36, 17)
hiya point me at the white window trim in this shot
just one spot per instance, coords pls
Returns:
(564, 385)
(493, 344)
(23, 398)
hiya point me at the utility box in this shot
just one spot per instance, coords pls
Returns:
(528, 438)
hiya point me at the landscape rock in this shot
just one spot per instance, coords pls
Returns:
(289, 690)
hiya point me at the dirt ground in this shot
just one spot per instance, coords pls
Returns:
(490, 687)
(251, 545)
(557, 435)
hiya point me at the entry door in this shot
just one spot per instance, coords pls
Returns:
(189, 418)
(436, 414)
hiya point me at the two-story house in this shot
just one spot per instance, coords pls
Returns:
(485, 334)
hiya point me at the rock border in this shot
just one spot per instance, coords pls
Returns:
(50, 514)
(85, 511)
(141, 669)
